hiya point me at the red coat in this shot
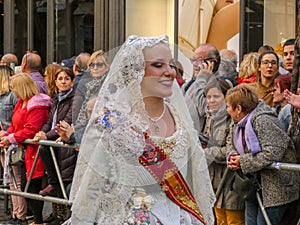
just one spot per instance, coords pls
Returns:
(25, 124)
(251, 79)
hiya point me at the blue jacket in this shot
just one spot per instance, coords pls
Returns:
(7, 104)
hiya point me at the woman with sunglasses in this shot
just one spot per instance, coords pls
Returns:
(98, 67)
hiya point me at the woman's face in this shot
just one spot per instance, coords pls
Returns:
(232, 112)
(63, 81)
(46, 76)
(159, 72)
(277, 95)
(269, 66)
(98, 67)
(15, 90)
(215, 99)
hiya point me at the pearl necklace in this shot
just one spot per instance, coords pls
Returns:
(156, 119)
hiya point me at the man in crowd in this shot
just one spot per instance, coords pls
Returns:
(291, 50)
(205, 62)
(80, 66)
(228, 65)
(31, 64)
(82, 77)
(9, 59)
(288, 54)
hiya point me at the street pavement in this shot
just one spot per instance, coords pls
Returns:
(5, 209)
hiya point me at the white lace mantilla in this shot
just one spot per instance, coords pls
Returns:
(108, 173)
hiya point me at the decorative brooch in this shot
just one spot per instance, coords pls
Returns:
(110, 119)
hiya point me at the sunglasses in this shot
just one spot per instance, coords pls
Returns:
(96, 65)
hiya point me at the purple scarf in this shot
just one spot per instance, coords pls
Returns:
(250, 136)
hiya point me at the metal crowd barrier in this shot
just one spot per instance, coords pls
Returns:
(277, 166)
(285, 166)
(65, 201)
(25, 193)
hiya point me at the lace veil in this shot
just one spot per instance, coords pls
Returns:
(107, 166)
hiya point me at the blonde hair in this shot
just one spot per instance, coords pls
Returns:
(5, 73)
(24, 85)
(248, 65)
(97, 54)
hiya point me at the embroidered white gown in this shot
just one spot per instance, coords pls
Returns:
(110, 185)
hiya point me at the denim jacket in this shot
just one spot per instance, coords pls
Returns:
(7, 104)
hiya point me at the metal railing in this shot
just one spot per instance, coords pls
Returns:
(25, 193)
(285, 166)
(65, 201)
(277, 166)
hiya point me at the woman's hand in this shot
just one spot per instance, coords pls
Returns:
(2, 132)
(206, 67)
(4, 143)
(41, 135)
(64, 130)
(58, 139)
(234, 161)
(292, 99)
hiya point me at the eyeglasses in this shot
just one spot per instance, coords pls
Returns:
(200, 60)
(97, 65)
(267, 62)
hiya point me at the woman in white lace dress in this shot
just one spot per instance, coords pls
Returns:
(140, 160)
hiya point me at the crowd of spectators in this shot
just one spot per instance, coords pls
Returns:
(245, 116)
